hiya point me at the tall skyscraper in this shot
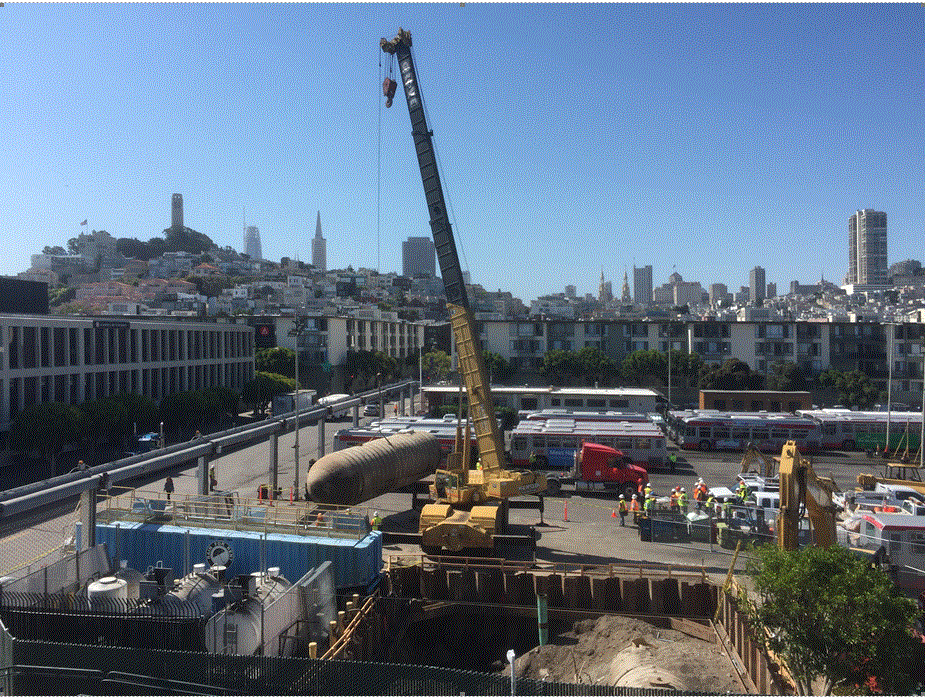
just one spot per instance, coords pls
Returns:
(319, 248)
(252, 246)
(604, 290)
(756, 285)
(176, 217)
(569, 291)
(867, 258)
(642, 285)
(418, 256)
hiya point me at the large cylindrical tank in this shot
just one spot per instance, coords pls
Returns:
(107, 593)
(245, 616)
(352, 476)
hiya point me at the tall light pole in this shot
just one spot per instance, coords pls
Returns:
(297, 328)
(420, 377)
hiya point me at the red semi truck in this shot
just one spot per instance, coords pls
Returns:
(601, 467)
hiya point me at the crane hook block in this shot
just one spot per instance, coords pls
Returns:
(388, 89)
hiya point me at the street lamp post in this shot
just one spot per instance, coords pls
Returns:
(296, 331)
(420, 377)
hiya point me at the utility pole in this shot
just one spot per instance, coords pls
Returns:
(296, 331)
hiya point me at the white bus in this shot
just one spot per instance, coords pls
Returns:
(555, 441)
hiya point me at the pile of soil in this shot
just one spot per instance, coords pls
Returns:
(628, 652)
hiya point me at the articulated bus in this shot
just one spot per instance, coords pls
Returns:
(843, 429)
(555, 441)
(697, 429)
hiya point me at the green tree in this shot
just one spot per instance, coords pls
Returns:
(499, 369)
(47, 427)
(831, 616)
(435, 366)
(786, 376)
(595, 366)
(104, 421)
(278, 360)
(57, 249)
(641, 367)
(732, 374)
(559, 366)
(141, 411)
(853, 386)
(60, 296)
(260, 391)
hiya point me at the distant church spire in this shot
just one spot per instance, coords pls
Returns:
(319, 248)
(626, 297)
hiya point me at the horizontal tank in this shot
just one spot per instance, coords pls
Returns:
(352, 476)
(237, 629)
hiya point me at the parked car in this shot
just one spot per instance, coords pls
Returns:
(371, 410)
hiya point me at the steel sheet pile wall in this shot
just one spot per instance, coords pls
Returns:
(356, 563)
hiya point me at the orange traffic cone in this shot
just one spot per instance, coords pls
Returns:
(613, 513)
(565, 512)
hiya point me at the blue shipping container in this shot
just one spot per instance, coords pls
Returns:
(356, 563)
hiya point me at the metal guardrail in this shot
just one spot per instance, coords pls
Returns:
(14, 502)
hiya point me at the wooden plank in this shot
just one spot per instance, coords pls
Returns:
(744, 678)
(694, 629)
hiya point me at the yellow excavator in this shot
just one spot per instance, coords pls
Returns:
(470, 505)
(752, 455)
(803, 491)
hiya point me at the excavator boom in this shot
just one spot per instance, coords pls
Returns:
(801, 488)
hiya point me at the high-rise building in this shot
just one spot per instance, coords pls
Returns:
(867, 258)
(570, 291)
(756, 285)
(176, 217)
(772, 290)
(604, 290)
(418, 257)
(718, 293)
(319, 248)
(642, 285)
(252, 246)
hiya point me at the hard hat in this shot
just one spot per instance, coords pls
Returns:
(726, 500)
(375, 514)
(634, 496)
(682, 488)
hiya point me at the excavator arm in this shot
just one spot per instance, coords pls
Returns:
(801, 488)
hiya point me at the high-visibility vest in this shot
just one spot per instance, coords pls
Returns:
(634, 505)
(648, 505)
(622, 506)
(648, 490)
(682, 500)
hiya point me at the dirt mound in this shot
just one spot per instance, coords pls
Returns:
(628, 652)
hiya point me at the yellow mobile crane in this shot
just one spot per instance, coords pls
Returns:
(470, 506)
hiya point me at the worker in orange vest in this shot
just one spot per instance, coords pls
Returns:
(634, 509)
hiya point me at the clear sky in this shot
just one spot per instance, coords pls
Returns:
(572, 138)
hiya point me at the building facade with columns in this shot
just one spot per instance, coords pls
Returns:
(78, 359)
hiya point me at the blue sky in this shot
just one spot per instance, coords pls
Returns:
(572, 138)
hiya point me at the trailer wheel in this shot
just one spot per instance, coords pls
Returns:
(553, 486)
(628, 491)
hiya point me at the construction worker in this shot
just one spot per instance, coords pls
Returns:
(682, 501)
(711, 503)
(377, 520)
(673, 460)
(742, 491)
(478, 463)
(647, 491)
(649, 505)
(533, 459)
(699, 494)
(634, 509)
(623, 511)
(727, 509)
(673, 500)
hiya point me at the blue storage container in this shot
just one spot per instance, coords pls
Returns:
(356, 563)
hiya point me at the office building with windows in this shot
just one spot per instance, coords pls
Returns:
(867, 248)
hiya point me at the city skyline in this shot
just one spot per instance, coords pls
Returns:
(753, 117)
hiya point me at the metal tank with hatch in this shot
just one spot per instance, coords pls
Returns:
(238, 628)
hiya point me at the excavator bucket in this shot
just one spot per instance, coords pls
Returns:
(443, 528)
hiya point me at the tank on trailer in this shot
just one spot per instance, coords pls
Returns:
(352, 476)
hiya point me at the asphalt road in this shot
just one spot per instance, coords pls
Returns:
(576, 527)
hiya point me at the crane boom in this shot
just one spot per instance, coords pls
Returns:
(471, 363)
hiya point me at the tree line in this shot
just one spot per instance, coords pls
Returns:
(591, 366)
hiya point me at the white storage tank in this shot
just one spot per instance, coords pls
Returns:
(237, 628)
(107, 593)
